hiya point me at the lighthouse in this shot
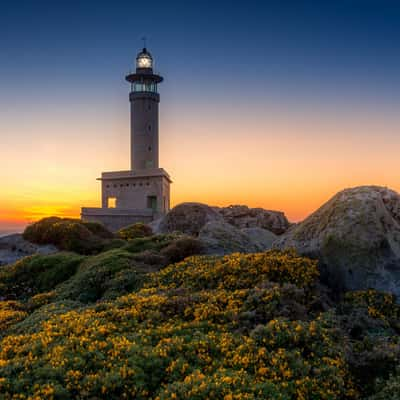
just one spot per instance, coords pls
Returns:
(142, 193)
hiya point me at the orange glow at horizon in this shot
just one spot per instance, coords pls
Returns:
(280, 160)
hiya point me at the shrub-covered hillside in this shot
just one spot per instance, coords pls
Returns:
(141, 322)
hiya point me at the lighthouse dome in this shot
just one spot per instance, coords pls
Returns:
(144, 59)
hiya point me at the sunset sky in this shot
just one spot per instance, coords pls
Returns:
(271, 104)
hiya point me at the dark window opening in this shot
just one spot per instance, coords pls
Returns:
(152, 202)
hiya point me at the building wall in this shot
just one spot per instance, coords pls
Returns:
(144, 130)
(115, 221)
(134, 192)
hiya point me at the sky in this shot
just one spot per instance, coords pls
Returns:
(271, 104)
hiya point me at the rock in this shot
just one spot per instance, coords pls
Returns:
(188, 218)
(223, 232)
(14, 247)
(219, 238)
(262, 238)
(245, 217)
(356, 237)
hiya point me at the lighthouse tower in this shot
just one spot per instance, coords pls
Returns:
(142, 193)
(144, 100)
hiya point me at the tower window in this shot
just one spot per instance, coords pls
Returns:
(152, 202)
(149, 148)
(149, 127)
(112, 202)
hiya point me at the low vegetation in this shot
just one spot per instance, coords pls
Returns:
(126, 323)
(69, 234)
(138, 230)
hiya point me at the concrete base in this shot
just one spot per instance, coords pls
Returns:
(116, 218)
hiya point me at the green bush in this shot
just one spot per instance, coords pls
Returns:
(97, 229)
(37, 274)
(153, 243)
(114, 244)
(138, 230)
(109, 274)
(68, 234)
(388, 389)
(371, 320)
(181, 248)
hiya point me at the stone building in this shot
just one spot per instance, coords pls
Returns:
(142, 193)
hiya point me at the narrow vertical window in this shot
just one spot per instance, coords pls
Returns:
(112, 202)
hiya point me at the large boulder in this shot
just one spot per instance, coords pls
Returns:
(356, 237)
(262, 238)
(245, 217)
(219, 238)
(188, 218)
(14, 247)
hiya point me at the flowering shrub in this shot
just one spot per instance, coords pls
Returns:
(238, 271)
(233, 327)
(146, 345)
(380, 305)
(134, 231)
(11, 312)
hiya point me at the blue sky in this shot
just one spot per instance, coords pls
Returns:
(309, 47)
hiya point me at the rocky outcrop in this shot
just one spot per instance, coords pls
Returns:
(260, 237)
(218, 235)
(220, 238)
(188, 218)
(245, 217)
(14, 247)
(356, 237)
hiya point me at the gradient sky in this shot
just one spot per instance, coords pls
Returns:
(271, 104)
